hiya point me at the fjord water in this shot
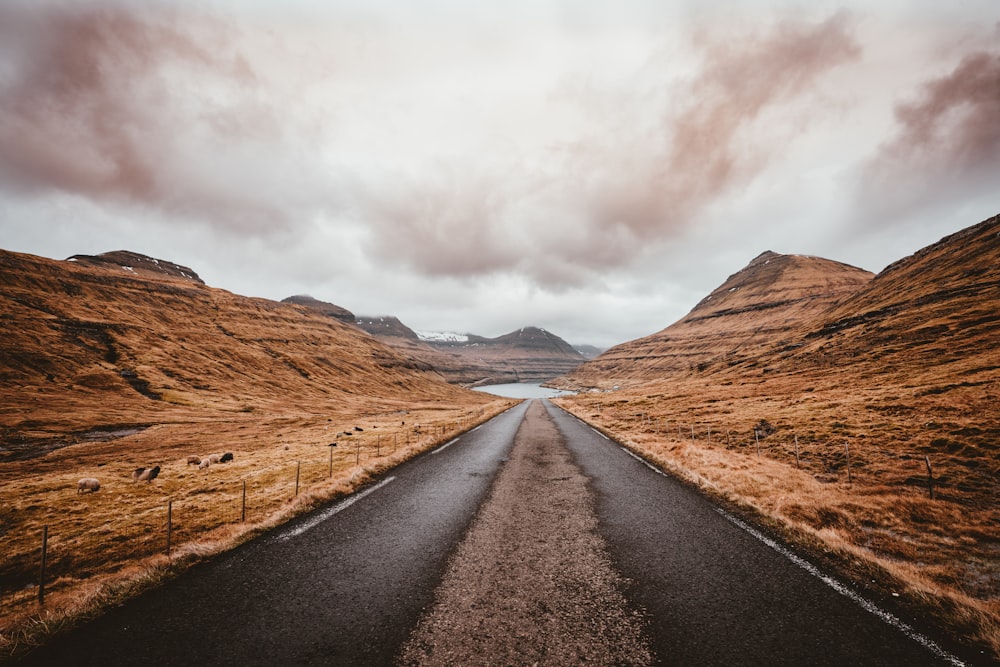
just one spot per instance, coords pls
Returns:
(521, 390)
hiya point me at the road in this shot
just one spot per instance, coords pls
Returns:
(348, 585)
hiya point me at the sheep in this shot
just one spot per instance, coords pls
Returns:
(136, 473)
(194, 460)
(205, 462)
(225, 458)
(88, 485)
(146, 475)
(358, 428)
(215, 458)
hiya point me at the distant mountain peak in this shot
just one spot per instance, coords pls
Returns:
(134, 262)
(328, 309)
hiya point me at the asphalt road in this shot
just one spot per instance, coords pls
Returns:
(346, 585)
(716, 594)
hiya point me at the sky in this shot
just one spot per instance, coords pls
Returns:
(592, 168)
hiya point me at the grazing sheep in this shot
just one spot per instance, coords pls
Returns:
(205, 462)
(136, 473)
(149, 474)
(194, 460)
(215, 458)
(227, 457)
(358, 428)
(87, 485)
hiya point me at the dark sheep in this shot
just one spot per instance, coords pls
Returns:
(149, 474)
(225, 458)
(358, 428)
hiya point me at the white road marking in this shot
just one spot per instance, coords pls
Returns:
(445, 446)
(339, 507)
(643, 461)
(867, 605)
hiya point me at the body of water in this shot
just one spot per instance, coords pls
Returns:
(521, 390)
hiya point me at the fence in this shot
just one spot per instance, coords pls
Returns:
(826, 458)
(74, 550)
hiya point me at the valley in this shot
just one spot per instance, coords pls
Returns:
(852, 414)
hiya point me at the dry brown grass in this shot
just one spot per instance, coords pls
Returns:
(106, 546)
(940, 555)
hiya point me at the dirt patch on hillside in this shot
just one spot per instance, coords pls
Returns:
(532, 582)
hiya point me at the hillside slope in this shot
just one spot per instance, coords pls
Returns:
(90, 344)
(768, 302)
(935, 312)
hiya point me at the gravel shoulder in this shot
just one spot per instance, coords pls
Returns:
(532, 581)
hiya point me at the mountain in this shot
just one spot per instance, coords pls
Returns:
(767, 302)
(386, 327)
(935, 313)
(88, 343)
(529, 354)
(589, 351)
(137, 264)
(328, 309)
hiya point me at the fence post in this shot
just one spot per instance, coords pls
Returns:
(243, 511)
(41, 576)
(930, 478)
(847, 452)
(298, 471)
(170, 521)
(692, 434)
(797, 463)
(357, 452)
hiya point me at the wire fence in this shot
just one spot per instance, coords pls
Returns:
(75, 550)
(846, 456)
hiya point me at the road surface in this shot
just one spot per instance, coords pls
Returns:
(564, 549)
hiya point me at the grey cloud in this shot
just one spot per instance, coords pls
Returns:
(154, 108)
(599, 202)
(947, 143)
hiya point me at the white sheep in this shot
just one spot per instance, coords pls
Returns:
(205, 462)
(87, 485)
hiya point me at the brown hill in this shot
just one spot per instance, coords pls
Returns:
(935, 313)
(861, 423)
(79, 333)
(766, 303)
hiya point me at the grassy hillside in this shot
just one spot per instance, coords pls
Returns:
(104, 369)
(825, 425)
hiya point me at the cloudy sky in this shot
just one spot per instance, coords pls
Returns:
(594, 168)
